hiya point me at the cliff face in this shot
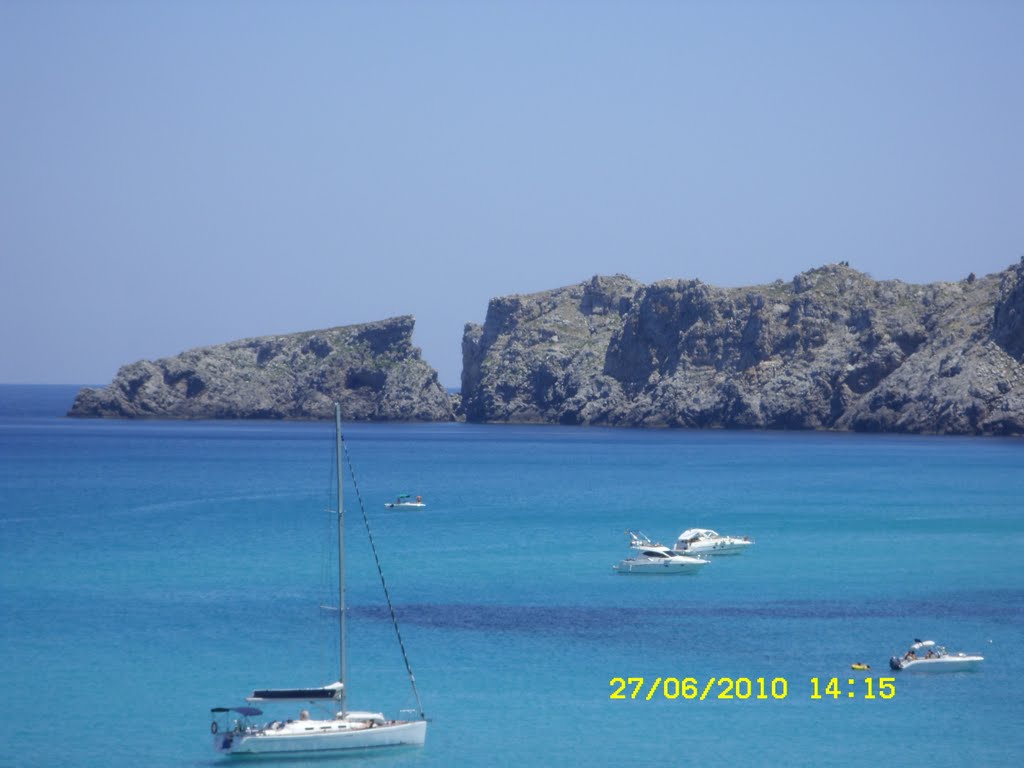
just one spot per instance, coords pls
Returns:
(539, 358)
(373, 370)
(831, 349)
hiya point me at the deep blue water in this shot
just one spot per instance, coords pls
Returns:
(153, 570)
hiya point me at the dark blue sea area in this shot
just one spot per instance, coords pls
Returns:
(152, 570)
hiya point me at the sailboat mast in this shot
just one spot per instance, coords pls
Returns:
(341, 560)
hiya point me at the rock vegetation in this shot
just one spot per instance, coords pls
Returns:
(832, 349)
(373, 370)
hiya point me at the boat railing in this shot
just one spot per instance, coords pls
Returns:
(638, 540)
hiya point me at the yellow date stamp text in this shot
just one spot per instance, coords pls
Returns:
(763, 688)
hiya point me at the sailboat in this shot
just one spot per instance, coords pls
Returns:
(236, 732)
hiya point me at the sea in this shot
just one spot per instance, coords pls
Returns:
(153, 570)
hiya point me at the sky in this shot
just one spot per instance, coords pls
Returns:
(180, 174)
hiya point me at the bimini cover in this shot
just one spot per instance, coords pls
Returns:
(922, 644)
(244, 711)
(693, 533)
(332, 691)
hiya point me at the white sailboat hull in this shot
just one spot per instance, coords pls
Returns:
(317, 738)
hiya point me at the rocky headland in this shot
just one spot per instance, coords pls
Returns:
(373, 370)
(832, 349)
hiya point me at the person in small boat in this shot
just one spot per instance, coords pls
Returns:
(909, 655)
(304, 714)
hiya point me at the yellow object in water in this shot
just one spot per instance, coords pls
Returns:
(860, 666)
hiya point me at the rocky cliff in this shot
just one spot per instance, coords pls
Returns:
(373, 370)
(831, 349)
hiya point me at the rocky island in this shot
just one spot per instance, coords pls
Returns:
(832, 349)
(373, 370)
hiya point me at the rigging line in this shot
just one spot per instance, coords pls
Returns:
(380, 572)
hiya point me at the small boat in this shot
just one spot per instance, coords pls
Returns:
(654, 558)
(704, 541)
(926, 656)
(405, 501)
(340, 729)
(860, 665)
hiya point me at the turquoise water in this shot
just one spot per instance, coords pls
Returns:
(153, 570)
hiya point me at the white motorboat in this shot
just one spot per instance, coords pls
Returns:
(926, 656)
(652, 557)
(406, 501)
(340, 729)
(704, 541)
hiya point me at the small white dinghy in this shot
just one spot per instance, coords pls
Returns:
(406, 501)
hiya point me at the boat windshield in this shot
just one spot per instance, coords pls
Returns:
(654, 553)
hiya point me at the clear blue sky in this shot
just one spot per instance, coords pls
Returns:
(178, 174)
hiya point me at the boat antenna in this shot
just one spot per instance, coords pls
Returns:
(383, 583)
(341, 559)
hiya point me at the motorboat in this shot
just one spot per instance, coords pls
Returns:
(660, 560)
(406, 501)
(704, 541)
(926, 656)
(338, 729)
(655, 558)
